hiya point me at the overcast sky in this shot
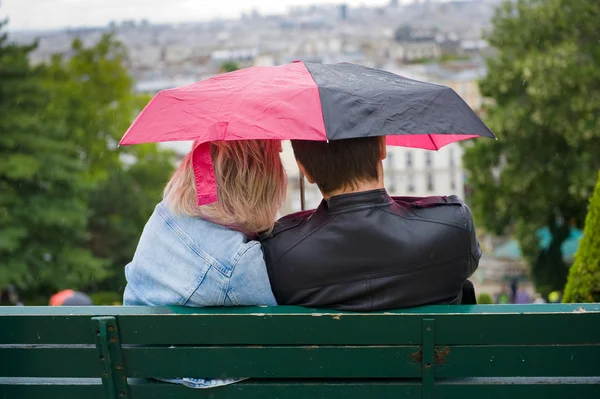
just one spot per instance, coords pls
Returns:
(44, 14)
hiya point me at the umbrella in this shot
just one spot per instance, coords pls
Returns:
(304, 101)
(70, 298)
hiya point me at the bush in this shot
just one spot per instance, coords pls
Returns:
(583, 284)
(106, 298)
(484, 299)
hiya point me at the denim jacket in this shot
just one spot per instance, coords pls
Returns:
(186, 261)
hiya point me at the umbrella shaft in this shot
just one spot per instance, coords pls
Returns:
(301, 185)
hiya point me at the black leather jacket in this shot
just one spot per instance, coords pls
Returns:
(367, 251)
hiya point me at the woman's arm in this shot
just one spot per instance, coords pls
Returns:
(249, 282)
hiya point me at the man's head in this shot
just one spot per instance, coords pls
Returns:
(341, 166)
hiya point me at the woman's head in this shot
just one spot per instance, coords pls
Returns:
(251, 186)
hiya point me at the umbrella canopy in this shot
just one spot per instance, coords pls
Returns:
(307, 102)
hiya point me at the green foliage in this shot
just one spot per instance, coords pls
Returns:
(96, 96)
(72, 204)
(444, 58)
(122, 205)
(584, 277)
(106, 298)
(229, 66)
(94, 93)
(451, 57)
(484, 299)
(545, 83)
(43, 210)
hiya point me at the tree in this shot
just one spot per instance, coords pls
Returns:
(95, 94)
(97, 98)
(545, 85)
(72, 204)
(43, 210)
(584, 277)
(122, 205)
(229, 66)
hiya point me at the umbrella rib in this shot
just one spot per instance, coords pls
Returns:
(435, 147)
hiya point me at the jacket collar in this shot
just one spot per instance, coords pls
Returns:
(363, 199)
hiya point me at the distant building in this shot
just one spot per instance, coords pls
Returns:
(239, 55)
(343, 12)
(412, 45)
(462, 76)
(406, 33)
(423, 173)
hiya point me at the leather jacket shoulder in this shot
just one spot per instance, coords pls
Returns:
(369, 251)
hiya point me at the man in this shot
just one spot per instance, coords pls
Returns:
(361, 249)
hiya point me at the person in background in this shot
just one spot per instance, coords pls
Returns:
(70, 298)
(522, 296)
(504, 297)
(206, 255)
(514, 288)
(10, 296)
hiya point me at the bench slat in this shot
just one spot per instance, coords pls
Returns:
(518, 361)
(518, 388)
(315, 389)
(223, 362)
(307, 362)
(275, 362)
(351, 329)
(35, 361)
(346, 329)
(46, 330)
(245, 326)
(431, 310)
(29, 388)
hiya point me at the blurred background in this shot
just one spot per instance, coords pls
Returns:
(74, 74)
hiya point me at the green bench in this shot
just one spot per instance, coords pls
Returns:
(442, 352)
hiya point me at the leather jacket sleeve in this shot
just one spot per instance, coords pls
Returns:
(475, 248)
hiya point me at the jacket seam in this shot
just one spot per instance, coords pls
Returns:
(199, 281)
(449, 224)
(234, 264)
(228, 293)
(299, 240)
(241, 253)
(357, 208)
(183, 237)
(463, 216)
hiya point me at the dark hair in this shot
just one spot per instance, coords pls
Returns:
(339, 164)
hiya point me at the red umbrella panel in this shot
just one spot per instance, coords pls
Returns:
(304, 101)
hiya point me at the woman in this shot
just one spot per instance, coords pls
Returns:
(191, 255)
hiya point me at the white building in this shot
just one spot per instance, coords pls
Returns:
(421, 173)
(407, 171)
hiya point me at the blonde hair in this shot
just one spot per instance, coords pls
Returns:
(251, 186)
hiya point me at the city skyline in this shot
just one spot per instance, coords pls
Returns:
(57, 14)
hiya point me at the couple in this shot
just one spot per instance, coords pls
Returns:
(360, 250)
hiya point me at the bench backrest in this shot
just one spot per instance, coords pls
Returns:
(292, 352)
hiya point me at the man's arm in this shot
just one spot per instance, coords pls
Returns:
(475, 249)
